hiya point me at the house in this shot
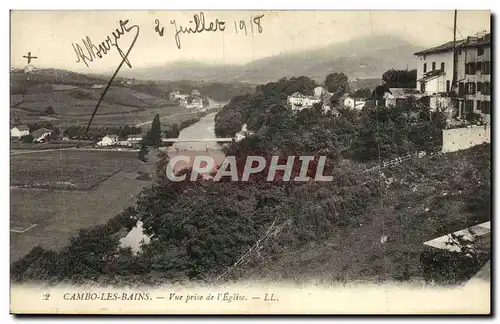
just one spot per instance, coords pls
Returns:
(108, 140)
(397, 96)
(319, 92)
(298, 101)
(176, 95)
(243, 133)
(41, 135)
(355, 103)
(135, 137)
(196, 103)
(472, 70)
(124, 143)
(19, 131)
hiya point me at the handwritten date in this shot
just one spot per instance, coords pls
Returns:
(199, 25)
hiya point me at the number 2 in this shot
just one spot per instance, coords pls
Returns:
(46, 296)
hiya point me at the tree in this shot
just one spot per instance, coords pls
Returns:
(154, 133)
(26, 138)
(49, 110)
(337, 83)
(143, 153)
(400, 78)
(362, 93)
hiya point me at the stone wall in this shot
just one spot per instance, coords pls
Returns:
(462, 138)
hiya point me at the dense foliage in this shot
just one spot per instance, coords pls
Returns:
(400, 78)
(199, 229)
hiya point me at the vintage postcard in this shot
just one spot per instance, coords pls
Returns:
(250, 162)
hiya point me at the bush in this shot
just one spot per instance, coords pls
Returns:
(26, 138)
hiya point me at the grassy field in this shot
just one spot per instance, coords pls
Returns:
(60, 215)
(80, 170)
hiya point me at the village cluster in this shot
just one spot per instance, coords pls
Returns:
(438, 69)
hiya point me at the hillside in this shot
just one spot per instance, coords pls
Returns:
(362, 57)
(422, 199)
(73, 97)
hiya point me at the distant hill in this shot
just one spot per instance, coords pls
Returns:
(366, 57)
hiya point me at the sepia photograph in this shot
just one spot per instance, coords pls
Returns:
(250, 162)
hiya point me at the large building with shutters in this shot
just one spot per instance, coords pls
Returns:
(472, 70)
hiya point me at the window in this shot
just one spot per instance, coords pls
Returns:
(469, 106)
(478, 105)
(486, 67)
(471, 88)
(447, 85)
(425, 67)
(480, 51)
(470, 68)
(485, 108)
(433, 66)
(422, 86)
(459, 51)
(479, 87)
(442, 66)
(486, 88)
(461, 89)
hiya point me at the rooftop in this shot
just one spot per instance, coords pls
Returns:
(471, 41)
(41, 131)
(403, 92)
(21, 127)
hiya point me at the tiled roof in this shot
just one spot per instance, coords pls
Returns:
(402, 92)
(462, 43)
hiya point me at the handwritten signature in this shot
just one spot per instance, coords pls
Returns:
(94, 52)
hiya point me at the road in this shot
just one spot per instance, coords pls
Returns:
(211, 104)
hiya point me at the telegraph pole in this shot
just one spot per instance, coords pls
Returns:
(454, 80)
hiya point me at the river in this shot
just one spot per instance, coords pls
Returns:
(205, 128)
(202, 129)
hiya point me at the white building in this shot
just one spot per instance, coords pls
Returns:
(41, 135)
(354, 103)
(298, 101)
(176, 95)
(472, 90)
(196, 103)
(19, 131)
(243, 133)
(108, 140)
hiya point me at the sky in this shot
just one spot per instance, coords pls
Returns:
(51, 36)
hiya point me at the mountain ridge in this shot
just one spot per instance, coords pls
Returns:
(364, 57)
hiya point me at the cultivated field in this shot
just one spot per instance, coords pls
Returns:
(73, 100)
(68, 169)
(51, 217)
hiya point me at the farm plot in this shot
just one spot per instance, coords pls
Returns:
(68, 170)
